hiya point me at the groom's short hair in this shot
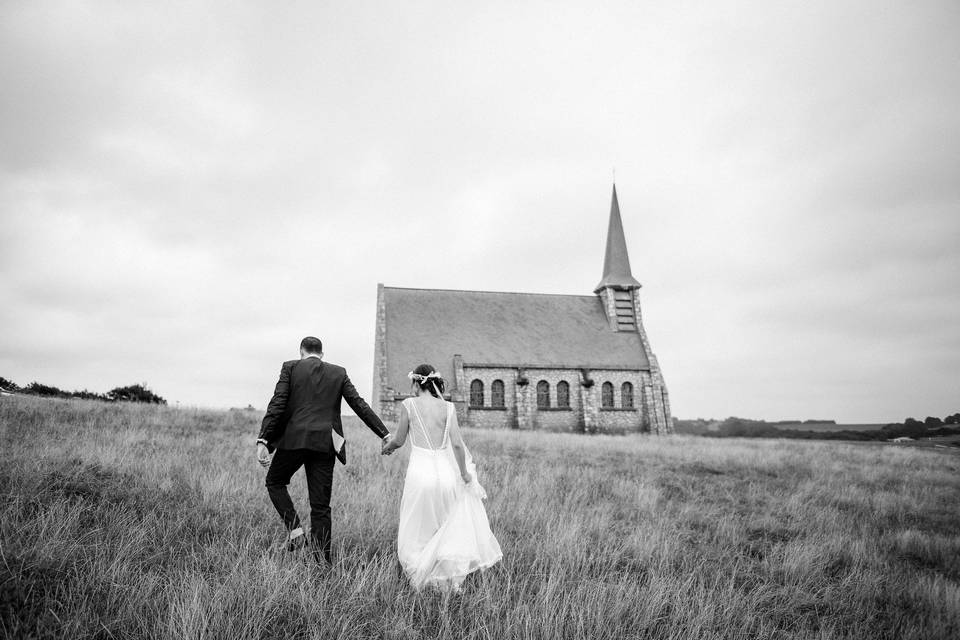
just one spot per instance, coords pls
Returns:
(311, 345)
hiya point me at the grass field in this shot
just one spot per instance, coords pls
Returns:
(123, 521)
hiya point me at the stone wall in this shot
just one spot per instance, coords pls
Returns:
(520, 411)
(609, 307)
(382, 400)
(584, 414)
(620, 419)
(487, 416)
(520, 401)
(588, 400)
(523, 407)
(556, 418)
(659, 417)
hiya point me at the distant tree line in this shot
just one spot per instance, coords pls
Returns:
(131, 393)
(932, 421)
(734, 427)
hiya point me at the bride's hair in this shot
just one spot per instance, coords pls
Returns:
(426, 384)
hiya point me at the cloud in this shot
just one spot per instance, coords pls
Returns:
(186, 190)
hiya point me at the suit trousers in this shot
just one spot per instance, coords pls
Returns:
(319, 471)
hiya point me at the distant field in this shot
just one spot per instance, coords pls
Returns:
(940, 442)
(695, 427)
(833, 427)
(121, 521)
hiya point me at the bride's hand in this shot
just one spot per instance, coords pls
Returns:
(466, 478)
(263, 455)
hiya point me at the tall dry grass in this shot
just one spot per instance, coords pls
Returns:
(124, 521)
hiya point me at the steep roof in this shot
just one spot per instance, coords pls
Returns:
(493, 328)
(616, 262)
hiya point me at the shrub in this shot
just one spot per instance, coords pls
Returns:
(132, 393)
(47, 391)
(89, 395)
(135, 393)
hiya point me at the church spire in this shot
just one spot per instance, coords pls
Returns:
(616, 263)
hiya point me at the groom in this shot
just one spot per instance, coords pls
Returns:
(303, 425)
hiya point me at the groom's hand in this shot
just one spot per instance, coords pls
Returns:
(385, 448)
(263, 456)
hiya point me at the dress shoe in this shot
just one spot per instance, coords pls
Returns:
(297, 543)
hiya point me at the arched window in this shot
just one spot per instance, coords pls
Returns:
(496, 393)
(476, 393)
(543, 394)
(606, 396)
(626, 395)
(563, 394)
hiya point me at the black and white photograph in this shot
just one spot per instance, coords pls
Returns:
(486, 321)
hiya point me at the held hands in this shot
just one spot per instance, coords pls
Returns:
(385, 448)
(263, 456)
(466, 477)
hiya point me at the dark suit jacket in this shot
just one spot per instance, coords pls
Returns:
(305, 408)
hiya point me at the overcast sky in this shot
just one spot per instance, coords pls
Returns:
(187, 189)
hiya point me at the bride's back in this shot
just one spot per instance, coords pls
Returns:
(433, 411)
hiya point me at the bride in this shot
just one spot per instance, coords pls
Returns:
(443, 533)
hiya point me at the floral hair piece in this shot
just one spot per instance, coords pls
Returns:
(423, 379)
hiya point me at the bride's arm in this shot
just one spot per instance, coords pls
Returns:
(403, 427)
(456, 441)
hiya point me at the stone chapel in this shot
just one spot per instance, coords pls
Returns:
(529, 361)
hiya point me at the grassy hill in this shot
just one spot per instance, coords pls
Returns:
(152, 522)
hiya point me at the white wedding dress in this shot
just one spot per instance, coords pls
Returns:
(444, 534)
